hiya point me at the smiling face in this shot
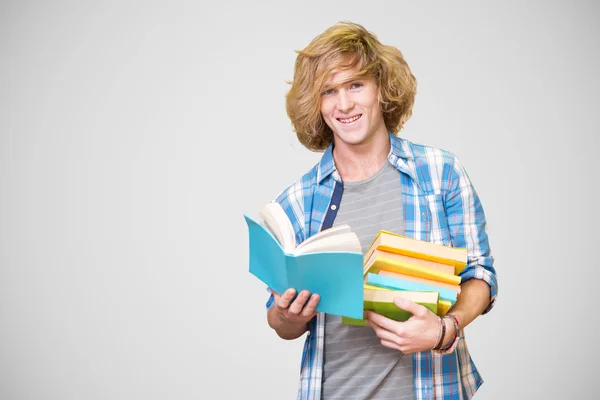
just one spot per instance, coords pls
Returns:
(351, 109)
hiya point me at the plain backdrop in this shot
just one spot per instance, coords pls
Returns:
(134, 135)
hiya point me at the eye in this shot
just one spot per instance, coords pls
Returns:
(328, 92)
(356, 85)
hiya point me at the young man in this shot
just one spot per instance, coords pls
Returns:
(350, 96)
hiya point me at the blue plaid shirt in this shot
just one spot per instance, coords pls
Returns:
(440, 206)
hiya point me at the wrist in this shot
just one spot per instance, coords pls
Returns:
(285, 328)
(452, 331)
(441, 335)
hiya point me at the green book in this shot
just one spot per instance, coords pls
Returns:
(382, 302)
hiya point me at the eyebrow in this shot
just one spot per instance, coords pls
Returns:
(352, 79)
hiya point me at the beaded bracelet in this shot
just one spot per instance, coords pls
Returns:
(455, 319)
(456, 330)
(442, 334)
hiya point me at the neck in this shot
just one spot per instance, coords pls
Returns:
(360, 161)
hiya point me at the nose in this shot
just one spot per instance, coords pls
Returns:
(345, 102)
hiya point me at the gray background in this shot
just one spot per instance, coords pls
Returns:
(133, 136)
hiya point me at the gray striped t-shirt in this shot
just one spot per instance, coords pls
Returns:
(356, 365)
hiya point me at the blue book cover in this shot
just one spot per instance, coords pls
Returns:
(337, 277)
(401, 284)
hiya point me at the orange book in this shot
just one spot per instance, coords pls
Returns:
(394, 243)
(387, 262)
(448, 269)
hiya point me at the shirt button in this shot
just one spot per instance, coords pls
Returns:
(333, 207)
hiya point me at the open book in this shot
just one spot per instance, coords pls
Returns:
(328, 264)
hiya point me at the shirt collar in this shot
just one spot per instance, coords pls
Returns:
(399, 151)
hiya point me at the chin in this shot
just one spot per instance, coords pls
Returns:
(352, 139)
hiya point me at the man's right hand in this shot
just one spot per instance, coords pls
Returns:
(290, 318)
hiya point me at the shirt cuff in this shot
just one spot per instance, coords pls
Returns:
(486, 274)
(271, 299)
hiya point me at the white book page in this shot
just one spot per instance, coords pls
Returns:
(275, 220)
(347, 241)
(336, 230)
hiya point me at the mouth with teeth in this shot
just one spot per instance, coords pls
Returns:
(349, 120)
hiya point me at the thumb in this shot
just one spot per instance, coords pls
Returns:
(407, 305)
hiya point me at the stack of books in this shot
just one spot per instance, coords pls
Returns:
(423, 272)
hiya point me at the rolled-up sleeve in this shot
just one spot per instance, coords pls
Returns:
(467, 226)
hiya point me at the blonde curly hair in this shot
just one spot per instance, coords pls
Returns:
(347, 46)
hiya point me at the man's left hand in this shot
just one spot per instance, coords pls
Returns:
(420, 332)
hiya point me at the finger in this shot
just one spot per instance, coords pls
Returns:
(384, 334)
(413, 308)
(390, 345)
(276, 295)
(298, 304)
(386, 323)
(286, 298)
(309, 308)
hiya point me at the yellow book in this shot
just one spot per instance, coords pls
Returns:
(443, 307)
(394, 243)
(373, 287)
(380, 261)
(449, 269)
